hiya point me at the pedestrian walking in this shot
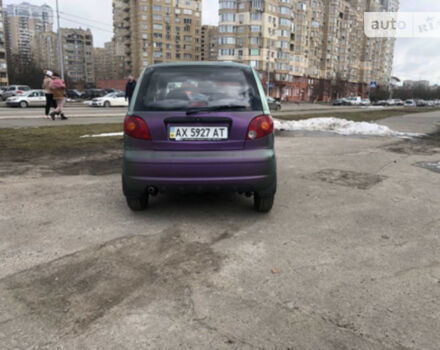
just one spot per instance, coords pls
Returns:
(129, 88)
(59, 91)
(50, 102)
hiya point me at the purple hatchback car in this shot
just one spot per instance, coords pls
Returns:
(196, 127)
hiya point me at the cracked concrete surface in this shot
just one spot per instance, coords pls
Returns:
(333, 266)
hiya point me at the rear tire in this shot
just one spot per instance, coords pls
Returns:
(263, 204)
(137, 203)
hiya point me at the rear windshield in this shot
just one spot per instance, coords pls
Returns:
(191, 88)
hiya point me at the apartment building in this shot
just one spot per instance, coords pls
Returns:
(209, 43)
(111, 64)
(301, 45)
(23, 22)
(46, 51)
(78, 55)
(154, 31)
(104, 61)
(3, 64)
(378, 53)
(119, 70)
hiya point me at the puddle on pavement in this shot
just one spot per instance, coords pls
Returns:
(433, 166)
(362, 181)
(426, 145)
(72, 292)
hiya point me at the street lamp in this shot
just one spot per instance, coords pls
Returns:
(60, 46)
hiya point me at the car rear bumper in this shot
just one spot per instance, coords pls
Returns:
(191, 171)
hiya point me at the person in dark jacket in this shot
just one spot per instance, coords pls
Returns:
(129, 88)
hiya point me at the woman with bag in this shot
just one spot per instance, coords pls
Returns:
(59, 90)
(50, 102)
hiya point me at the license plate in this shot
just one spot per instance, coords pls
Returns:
(182, 133)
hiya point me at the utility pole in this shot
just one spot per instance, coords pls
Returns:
(60, 45)
(268, 69)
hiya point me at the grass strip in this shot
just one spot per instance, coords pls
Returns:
(26, 143)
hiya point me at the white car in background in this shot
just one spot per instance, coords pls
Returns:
(113, 99)
(31, 98)
(366, 102)
(354, 101)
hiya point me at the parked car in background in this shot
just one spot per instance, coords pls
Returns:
(74, 94)
(340, 102)
(421, 103)
(274, 105)
(107, 91)
(93, 93)
(397, 102)
(410, 103)
(389, 103)
(353, 101)
(109, 100)
(203, 127)
(380, 103)
(31, 98)
(14, 90)
(365, 102)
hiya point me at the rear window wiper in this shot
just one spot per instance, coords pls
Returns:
(214, 108)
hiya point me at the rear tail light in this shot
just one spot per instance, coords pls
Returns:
(259, 127)
(136, 127)
(19, 92)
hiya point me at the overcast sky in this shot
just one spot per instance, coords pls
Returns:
(414, 58)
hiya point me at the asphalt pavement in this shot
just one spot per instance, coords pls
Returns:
(347, 259)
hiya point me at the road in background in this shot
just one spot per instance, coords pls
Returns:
(81, 114)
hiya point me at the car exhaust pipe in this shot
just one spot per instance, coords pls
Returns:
(153, 191)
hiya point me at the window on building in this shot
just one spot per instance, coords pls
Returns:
(226, 52)
(284, 10)
(254, 52)
(257, 4)
(227, 40)
(256, 16)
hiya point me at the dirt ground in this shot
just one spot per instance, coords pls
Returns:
(347, 259)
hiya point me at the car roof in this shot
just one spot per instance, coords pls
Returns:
(199, 64)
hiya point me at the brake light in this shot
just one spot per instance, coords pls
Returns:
(259, 127)
(19, 92)
(136, 127)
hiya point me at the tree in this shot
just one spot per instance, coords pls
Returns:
(24, 72)
(379, 93)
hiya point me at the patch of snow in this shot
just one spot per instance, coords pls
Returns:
(87, 103)
(339, 126)
(108, 134)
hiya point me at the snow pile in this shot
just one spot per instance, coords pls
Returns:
(109, 134)
(339, 126)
